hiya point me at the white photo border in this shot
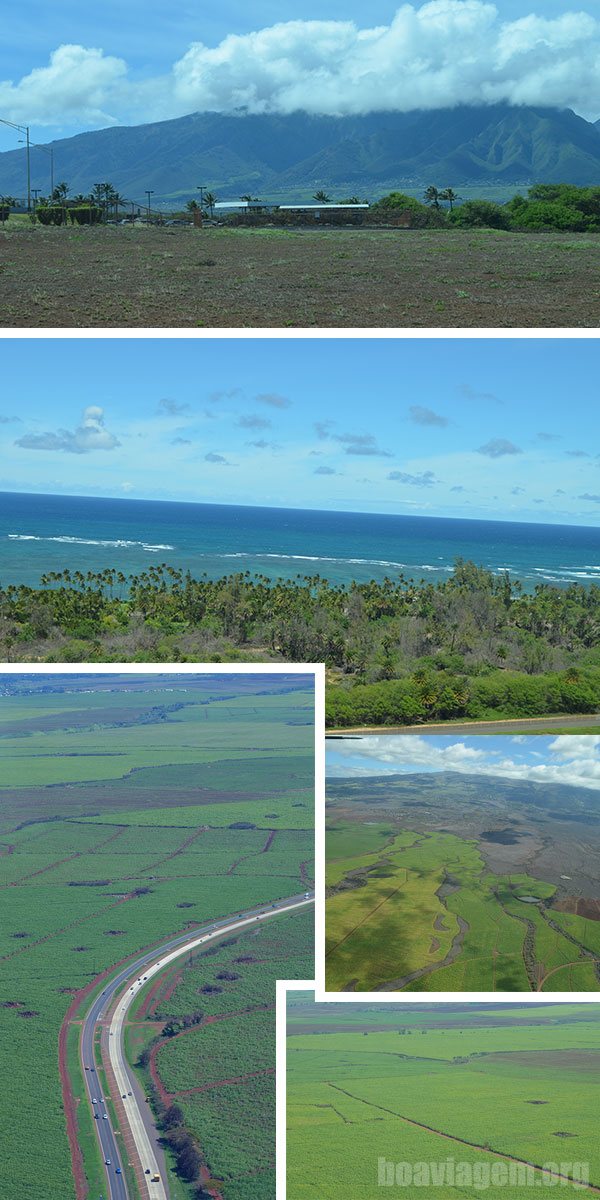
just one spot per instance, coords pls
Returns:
(284, 986)
(441, 997)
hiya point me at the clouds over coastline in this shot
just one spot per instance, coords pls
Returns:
(436, 55)
(355, 426)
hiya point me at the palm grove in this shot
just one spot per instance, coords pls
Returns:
(397, 651)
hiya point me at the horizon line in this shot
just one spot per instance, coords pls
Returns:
(297, 508)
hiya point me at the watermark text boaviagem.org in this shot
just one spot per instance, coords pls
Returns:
(452, 1172)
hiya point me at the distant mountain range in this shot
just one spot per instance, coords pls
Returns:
(442, 788)
(271, 156)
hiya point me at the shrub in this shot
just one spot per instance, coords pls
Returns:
(50, 214)
(542, 214)
(85, 214)
(585, 199)
(480, 214)
(397, 202)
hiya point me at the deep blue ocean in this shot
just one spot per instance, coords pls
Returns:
(48, 533)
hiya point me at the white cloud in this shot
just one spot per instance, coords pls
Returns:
(578, 758)
(571, 745)
(438, 55)
(90, 435)
(78, 84)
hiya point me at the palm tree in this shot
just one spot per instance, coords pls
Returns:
(192, 206)
(103, 194)
(450, 195)
(432, 196)
(322, 197)
(61, 192)
(210, 200)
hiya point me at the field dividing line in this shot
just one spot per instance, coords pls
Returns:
(463, 1141)
(366, 918)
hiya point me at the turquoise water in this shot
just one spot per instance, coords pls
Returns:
(48, 533)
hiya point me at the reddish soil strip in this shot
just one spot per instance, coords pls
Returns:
(253, 853)
(69, 1102)
(154, 994)
(152, 1067)
(305, 877)
(241, 1012)
(167, 857)
(205, 1178)
(70, 857)
(462, 1141)
(168, 992)
(224, 1082)
(149, 998)
(154, 1075)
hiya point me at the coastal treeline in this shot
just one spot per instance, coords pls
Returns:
(396, 650)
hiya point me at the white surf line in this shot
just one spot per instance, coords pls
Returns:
(156, 1189)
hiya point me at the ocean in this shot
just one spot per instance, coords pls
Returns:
(39, 534)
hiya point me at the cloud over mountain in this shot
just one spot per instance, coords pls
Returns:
(436, 55)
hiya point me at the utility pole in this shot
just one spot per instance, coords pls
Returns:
(47, 150)
(28, 169)
(149, 193)
(23, 129)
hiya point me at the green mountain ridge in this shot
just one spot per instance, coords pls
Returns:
(277, 155)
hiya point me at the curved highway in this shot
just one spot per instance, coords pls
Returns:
(124, 988)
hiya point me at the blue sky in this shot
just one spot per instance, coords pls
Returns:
(485, 428)
(569, 759)
(149, 61)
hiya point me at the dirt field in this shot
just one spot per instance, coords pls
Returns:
(121, 276)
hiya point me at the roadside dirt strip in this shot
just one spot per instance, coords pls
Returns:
(138, 1131)
(547, 724)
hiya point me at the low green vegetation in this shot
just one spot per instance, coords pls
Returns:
(474, 646)
(546, 206)
(475, 1086)
(422, 912)
(83, 886)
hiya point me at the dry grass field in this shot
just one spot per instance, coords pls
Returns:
(162, 277)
